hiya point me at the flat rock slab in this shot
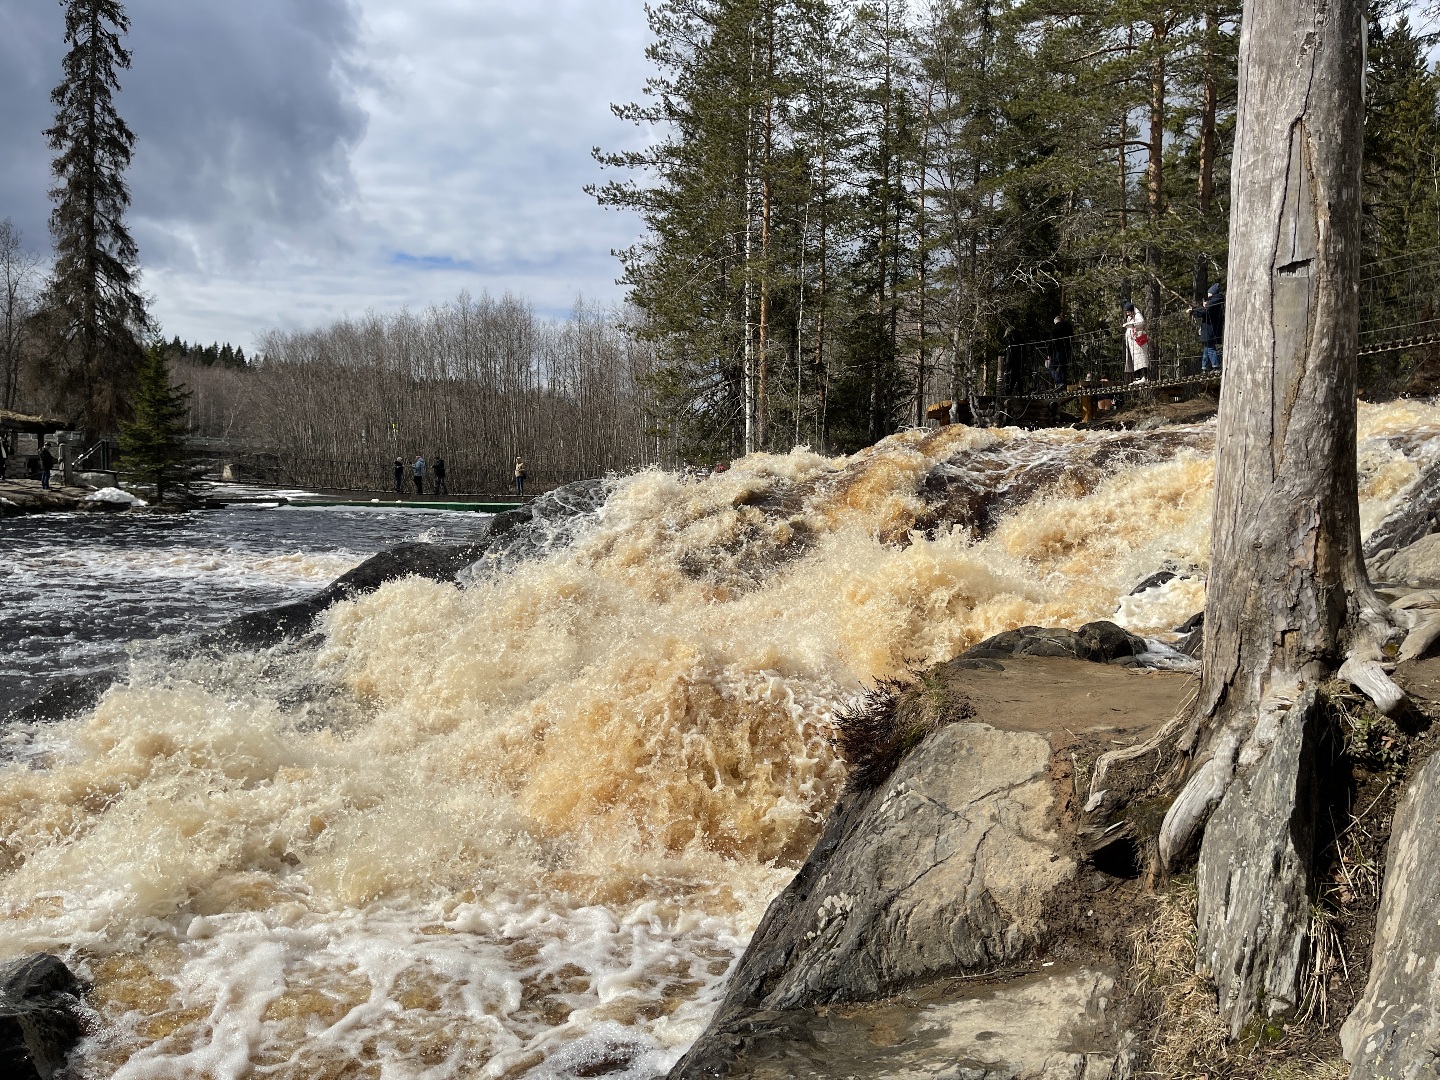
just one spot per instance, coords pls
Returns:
(1058, 696)
(28, 497)
(1041, 1027)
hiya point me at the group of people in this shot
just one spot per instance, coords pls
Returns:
(1209, 314)
(436, 470)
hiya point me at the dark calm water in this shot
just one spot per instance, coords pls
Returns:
(77, 591)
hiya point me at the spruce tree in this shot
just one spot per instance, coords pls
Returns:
(153, 454)
(99, 311)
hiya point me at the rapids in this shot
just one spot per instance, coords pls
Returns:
(524, 827)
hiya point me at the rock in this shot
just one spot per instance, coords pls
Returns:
(515, 535)
(1254, 877)
(1047, 1026)
(942, 870)
(1416, 564)
(1154, 581)
(438, 562)
(62, 697)
(39, 1022)
(1394, 1031)
(1417, 516)
(1098, 642)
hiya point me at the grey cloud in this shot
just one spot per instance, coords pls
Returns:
(245, 115)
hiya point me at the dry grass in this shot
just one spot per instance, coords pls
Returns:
(1189, 1036)
(1189, 1040)
(889, 720)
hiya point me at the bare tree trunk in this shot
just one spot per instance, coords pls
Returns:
(1155, 183)
(1209, 95)
(762, 387)
(1288, 596)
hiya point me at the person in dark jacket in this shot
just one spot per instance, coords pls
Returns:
(399, 477)
(1211, 315)
(47, 464)
(1062, 350)
(438, 468)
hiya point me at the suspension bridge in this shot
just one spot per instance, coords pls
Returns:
(1399, 314)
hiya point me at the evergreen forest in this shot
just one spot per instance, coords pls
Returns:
(856, 209)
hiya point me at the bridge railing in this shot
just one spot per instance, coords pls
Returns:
(1095, 356)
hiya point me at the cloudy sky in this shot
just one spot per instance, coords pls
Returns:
(299, 159)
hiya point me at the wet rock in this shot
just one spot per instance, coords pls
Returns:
(1098, 642)
(1049, 1026)
(1416, 564)
(514, 535)
(39, 1022)
(1418, 516)
(438, 562)
(62, 697)
(1154, 581)
(1394, 1031)
(942, 870)
(1254, 877)
(1193, 643)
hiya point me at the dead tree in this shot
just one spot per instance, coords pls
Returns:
(1289, 603)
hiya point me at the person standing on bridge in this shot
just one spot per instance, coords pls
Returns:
(1062, 350)
(519, 476)
(418, 472)
(399, 477)
(441, 488)
(1137, 342)
(1212, 328)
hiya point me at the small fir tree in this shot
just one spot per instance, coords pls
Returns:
(152, 445)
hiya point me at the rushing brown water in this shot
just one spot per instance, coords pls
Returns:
(524, 827)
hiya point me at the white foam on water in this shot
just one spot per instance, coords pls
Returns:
(525, 827)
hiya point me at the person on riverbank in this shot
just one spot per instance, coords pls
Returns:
(47, 465)
(1211, 315)
(519, 476)
(418, 472)
(1137, 343)
(438, 468)
(399, 477)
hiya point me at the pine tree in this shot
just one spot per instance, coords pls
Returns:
(152, 445)
(93, 294)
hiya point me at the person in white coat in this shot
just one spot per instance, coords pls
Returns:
(1137, 343)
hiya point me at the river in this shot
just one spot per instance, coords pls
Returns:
(523, 828)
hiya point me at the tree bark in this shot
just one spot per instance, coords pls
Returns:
(1288, 597)
(1208, 104)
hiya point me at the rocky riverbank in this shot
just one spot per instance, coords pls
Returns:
(983, 906)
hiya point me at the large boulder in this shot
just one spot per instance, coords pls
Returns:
(1098, 642)
(438, 562)
(549, 522)
(1416, 564)
(39, 1020)
(952, 921)
(1394, 1031)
